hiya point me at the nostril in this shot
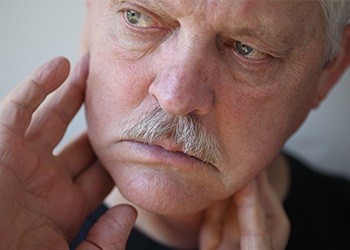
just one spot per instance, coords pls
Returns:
(181, 92)
(154, 97)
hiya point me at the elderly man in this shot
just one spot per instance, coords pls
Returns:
(188, 105)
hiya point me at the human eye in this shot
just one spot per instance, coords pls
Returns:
(246, 51)
(138, 28)
(138, 19)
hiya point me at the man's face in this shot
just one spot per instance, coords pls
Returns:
(241, 74)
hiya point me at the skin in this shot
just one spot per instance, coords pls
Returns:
(229, 205)
(138, 72)
(181, 62)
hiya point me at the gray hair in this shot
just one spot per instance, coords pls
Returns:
(337, 15)
(185, 131)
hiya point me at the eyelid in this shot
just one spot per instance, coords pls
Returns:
(232, 44)
(153, 22)
(144, 21)
(161, 22)
(275, 49)
(261, 55)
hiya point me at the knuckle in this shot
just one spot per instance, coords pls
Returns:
(6, 152)
(38, 87)
(14, 115)
(58, 114)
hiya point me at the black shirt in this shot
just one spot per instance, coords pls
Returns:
(317, 205)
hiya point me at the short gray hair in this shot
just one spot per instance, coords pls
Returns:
(337, 15)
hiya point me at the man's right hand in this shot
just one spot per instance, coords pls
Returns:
(44, 198)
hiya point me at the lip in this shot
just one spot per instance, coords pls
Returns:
(164, 156)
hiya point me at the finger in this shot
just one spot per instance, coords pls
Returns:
(17, 107)
(112, 230)
(77, 155)
(212, 226)
(95, 183)
(231, 229)
(50, 121)
(277, 219)
(251, 217)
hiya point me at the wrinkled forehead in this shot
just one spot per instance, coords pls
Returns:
(289, 23)
(224, 10)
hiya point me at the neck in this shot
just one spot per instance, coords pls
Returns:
(179, 231)
(182, 231)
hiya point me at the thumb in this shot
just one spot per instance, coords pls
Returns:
(112, 230)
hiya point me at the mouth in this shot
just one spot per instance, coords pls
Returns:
(163, 153)
(172, 147)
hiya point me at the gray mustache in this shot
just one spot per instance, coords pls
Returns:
(185, 131)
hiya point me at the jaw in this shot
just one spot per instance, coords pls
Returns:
(181, 231)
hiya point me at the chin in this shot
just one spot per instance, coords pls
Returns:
(161, 191)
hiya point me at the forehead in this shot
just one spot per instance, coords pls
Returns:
(288, 9)
(263, 16)
(284, 24)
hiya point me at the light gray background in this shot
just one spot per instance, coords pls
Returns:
(32, 32)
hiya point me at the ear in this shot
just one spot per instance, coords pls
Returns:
(334, 69)
(85, 39)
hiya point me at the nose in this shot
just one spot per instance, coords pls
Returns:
(183, 84)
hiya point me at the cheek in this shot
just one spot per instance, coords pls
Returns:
(115, 88)
(254, 125)
(251, 135)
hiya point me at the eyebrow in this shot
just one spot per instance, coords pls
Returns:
(283, 46)
(260, 33)
(147, 3)
(152, 6)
